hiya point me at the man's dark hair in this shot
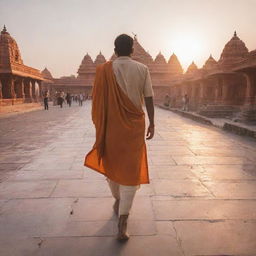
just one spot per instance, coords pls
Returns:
(123, 45)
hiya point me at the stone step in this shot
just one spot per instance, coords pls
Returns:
(216, 113)
(222, 107)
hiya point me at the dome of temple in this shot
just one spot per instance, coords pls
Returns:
(139, 54)
(86, 65)
(9, 46)
(210, 63)
(87, 60)
(174, 65)
(47, 74)
(100, 59)
(192, 68)
(234, 51)
(113, 57)
(160, 59)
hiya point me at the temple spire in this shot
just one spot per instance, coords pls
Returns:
(192, 68)
(235, 34)
(160, 58)
(4, 29)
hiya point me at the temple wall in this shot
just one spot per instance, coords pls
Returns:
(221, 95)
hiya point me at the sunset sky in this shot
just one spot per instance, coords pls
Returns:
(57, 33)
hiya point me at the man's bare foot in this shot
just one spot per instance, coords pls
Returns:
(116, 207)
(122, 229)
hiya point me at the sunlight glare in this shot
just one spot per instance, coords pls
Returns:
(187, 48)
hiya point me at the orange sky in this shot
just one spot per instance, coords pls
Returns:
(58, 33)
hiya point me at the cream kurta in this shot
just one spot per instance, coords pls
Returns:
(133, 78)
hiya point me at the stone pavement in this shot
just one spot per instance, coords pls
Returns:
(201, 200)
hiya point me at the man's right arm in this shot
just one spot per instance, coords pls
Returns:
(148, 97)
(150, 110)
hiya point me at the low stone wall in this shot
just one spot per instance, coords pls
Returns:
(189, 115)
(10, 102)
(19, 108)
(236, 128)
(6, 102)
(193, 116)
(239, 129)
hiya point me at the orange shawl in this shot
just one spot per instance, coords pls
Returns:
(120, 150)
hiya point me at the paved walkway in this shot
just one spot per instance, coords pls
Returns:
(201, 200)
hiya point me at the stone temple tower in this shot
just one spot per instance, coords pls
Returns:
(234, 51)
(9, 50)
(18, 83)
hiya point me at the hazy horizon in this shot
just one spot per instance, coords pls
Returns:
(57, 34)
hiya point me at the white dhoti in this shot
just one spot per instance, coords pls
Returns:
(125, 195)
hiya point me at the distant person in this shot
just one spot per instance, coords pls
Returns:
(46, 100)
(120, 150)
(68, 99)
(167, 100)
(61, 99)
(80, 99)
(56, 99)
(185, 102)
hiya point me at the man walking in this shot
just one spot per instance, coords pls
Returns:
(46, 99)
(186, 102)
(68, 99)
(120, 150)
(61, 99)
(80, 99)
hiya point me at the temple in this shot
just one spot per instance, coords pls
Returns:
(18, 82)
(162, 73)
(223, 88)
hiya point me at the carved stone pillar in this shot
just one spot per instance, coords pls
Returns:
(201, 94)
(225, 92)
(193, 96)
(1, 87)
(33, 90)
(249, 108)
(40, 89)
(219, 90)
(7, 85)
(183, 92)
(16, 87)
(216, 88)
(28, 90)
(250, 88)
(20, 88)
(11, 88)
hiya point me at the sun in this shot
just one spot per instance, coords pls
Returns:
(188, 48)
